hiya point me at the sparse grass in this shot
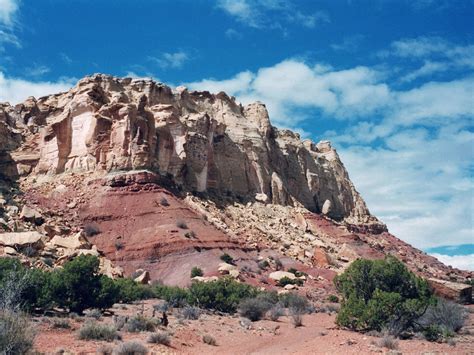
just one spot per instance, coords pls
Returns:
(387, 341)
(276, 312)
(16, 334)
(181, 224)
(93, 313)
(210, 340)
(296, 317)
(130, 348)
(190, 312)
(95, 331)
(159, 338)
(91, 229)
(139, 324)
(60, 323)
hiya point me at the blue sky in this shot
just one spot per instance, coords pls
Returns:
(389, 82)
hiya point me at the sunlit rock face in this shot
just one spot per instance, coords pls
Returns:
(203, 142)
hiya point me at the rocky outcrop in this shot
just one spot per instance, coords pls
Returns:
(202, 142)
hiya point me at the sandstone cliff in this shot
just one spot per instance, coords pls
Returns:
(203, 142)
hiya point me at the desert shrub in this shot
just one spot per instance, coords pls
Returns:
(93, 313)
(209, 340)
(91, 229)
(227, 258)
(293, 300)
(222, 295)
(276, 312)
(278, 264)
(16, 334)
(79, 286)
(181, 224)
(60, 323)
(377, 292)
(254, 308)
(130, 348)
(96, 331)
(296, 317)
(175, 296)
(196, 271)
(444, 314)
(118, 246)
(287, 281)
(159, 338)
(139, 323)
(190, 234)
(29, 251)
(333, 298)
(105, 349)
(161, 307)
(130, 291)
(263, 264)
(189, 312)
(432, 332)
(164, 202)
(119, 322)
(387, 341)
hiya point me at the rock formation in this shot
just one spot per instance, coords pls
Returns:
(203, 142)
(159, 180)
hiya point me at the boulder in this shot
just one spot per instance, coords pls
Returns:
(76, 241)
(225, 268)
(320, 258)
(143, 278)
(31, 215)
(22, 239)
(455, 291)
(278, 275)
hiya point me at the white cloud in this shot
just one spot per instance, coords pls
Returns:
(171, 60)
(15, 90)
(464, 262)
(270, 13)
(233, 34)
(8, 9)
(37, 70)
(410, 156)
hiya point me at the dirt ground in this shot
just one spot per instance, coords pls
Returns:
(235, 335)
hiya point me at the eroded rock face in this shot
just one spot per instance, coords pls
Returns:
(203, 142)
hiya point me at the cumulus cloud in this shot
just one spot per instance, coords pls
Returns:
(464, 262)
(171, 60)
(409, 152)
(8, 9)
(16, 90)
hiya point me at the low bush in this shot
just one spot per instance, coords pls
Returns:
(175, 296)
(96, 331)
(444, 314)
(296, 317)
(130, 348)
(159, 338)
(387, 341)
(333, 298)
(189, 312)
(60, 323)
(139, 323)
(91, 229)
(222, 295)
(295, 301)
(164, 202)
(263, 265)
(181, 224)
(16, 334)
(227, 259)
(93, 313)
(210, 340)
(276, 312)
(196, 271)
(287, 281)
(254, 308)
(376, 293)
